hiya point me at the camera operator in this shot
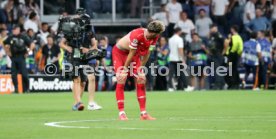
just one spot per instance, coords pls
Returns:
(86, 43)
(16, 44)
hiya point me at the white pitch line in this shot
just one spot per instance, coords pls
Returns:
(220, 119)
(58, 125)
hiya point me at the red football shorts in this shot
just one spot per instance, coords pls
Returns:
(119, 58)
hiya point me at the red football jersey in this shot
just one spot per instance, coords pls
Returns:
(138, 41)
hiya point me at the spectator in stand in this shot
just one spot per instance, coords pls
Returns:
(3, 18)
(54, 27)
(236, 10)
(162, 16)
(203, 24)
(51, 52)
(198, 60)
(174, 9)
(105, 63)
(273, 10)
(186, 25)
(188, 6)
(30, 62)
(265, 6)
(30, 6)
(5, 62)
(202, 4)
(32, 22)
(136, 8)
(150, 76)
(14, 10)
(259, 23)
(249, 11)
(219, 10)
(162, 63)
(43, 33)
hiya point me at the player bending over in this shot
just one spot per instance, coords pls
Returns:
(132, 52)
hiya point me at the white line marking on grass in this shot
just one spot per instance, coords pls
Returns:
(221, 119)
(59, 125)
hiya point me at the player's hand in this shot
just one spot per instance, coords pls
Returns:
(141, 76)
(121, 76)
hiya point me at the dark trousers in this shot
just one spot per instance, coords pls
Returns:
(161, 81)
(252, 69)
(181, 78)
(19, 67)
(263, 74)
(234, 80)
(218, 80)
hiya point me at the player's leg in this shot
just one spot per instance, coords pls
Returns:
(118, 62)
(141, 96)
(141, 91)
(92, 105)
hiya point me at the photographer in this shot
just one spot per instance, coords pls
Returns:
(75, 46)
(16, 44)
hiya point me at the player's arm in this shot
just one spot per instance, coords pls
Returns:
(145, 59)
(130, 56)
(134, 41)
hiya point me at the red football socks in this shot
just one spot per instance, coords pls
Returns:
(120, 96)
(141, 96)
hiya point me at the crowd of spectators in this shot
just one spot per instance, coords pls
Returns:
(217, 30)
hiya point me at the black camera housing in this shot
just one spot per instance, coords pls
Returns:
(73, 29)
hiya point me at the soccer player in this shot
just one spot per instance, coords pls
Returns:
(132, 52)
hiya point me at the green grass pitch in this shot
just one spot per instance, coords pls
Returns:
(196, 115)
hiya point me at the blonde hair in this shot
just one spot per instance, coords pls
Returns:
(156, 26)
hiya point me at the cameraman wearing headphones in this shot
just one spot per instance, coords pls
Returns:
(86, 42)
